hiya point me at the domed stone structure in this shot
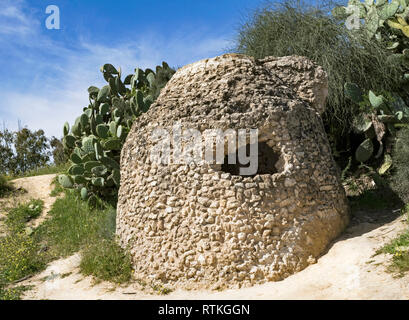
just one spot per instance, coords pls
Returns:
(196, 224)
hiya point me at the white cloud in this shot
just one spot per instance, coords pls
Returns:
(57, 91)
(14, 20)
(53, 100)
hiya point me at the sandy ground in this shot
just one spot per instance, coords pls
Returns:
(348, 270)
(38, 187)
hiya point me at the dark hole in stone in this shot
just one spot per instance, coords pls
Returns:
(268, 161)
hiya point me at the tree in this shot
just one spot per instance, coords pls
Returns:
(23, 150)
(7, 159)
(60, 155)
(31, 150)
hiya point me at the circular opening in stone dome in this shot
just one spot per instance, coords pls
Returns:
(268, 161)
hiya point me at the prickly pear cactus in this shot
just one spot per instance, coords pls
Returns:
(385, 21)
(96, 138)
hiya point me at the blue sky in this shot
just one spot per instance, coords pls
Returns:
(45, 73)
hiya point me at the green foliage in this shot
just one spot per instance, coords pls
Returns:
(12, 293)
(95, 140)
(106, 260)
(19, 216)
(27, 151)
(18, 257)
(5, 187)
(297, 28)
(60, 155)
(386, 164)
(31, 150)
(384, 22)
(7, 155)
(364, 151)
(379, 119)
(84, 194)
(400, 156)
(65, 181)
(73, 225)
(19, 251)
(160, 289)
(372, 200)
(399, 248)
(57, 189)
(353, 92)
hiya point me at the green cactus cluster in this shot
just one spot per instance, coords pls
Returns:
(382, 115)
(380, 118)
(96, 138)
(375, 14)
(386, 22)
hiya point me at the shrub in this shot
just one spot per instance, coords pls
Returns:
(296, 28)
(20, 254)
(4, 185)
(400, 156)
(19, 258)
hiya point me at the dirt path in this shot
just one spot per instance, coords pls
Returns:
(38, 187)
(347, 271)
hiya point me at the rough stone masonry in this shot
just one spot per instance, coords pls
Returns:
(205, 226)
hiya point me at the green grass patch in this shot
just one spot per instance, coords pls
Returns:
(399, 248)
(369, 191)
(106, 260)
(19, 257)
(297, 27)
(12, 293)
(20, 253)
(74, 226)
(19, 216)
(58, 189)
